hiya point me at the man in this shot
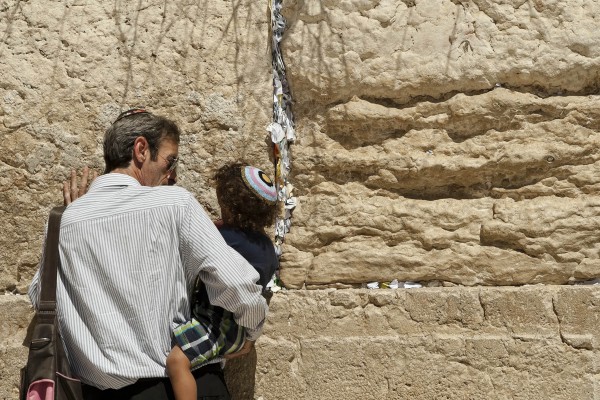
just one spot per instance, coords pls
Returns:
(130, 251)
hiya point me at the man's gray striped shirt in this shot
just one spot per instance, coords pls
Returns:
(129, 256)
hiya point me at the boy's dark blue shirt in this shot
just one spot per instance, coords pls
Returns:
(256, 248)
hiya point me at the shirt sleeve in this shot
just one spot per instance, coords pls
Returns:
(34, 287)
(34, 290)
(253, 334)
(231, 282)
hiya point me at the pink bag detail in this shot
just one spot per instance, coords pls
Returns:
(41, 390)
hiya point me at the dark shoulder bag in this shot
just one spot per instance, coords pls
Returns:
(47, 374)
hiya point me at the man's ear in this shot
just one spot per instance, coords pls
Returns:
(140, 150)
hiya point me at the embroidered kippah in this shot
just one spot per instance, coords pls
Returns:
(260, 183)
(132, 111)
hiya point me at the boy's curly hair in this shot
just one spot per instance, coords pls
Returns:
(246, 210)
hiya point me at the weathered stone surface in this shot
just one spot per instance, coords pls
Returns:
(454, 343)
(357, 236)
(401, 50)
(532, 342)
(69, 68)
(450, 140)
(16, 315)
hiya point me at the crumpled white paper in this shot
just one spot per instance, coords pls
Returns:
(277, 132)
(393, 284)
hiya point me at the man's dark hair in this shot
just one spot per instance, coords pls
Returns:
(119, 138)
(246, 210)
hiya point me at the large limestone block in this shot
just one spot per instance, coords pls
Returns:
(398, 368)
(69, 68)
(419, 120)
(399, 50)
(355, 236)
(455, 343)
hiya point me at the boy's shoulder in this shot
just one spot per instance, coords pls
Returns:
(227, 230)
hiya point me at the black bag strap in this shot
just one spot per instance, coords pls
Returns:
(47, 303)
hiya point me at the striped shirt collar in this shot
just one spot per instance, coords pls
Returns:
(113, 179)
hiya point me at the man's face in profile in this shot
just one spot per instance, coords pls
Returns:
(160, 171)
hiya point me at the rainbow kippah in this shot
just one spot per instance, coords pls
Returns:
(260, 183)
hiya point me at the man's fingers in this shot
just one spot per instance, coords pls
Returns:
(74, 190)
(84, 181)
(66, 193)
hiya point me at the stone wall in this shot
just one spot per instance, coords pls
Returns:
(69, 68)
(452, 143)
(445, 140)
(431, 343)
(534, 342)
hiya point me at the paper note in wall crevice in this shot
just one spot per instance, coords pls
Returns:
(277, 133)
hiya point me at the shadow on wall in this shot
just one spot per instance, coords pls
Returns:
(325, 40)
(197, 28)
(240, 376)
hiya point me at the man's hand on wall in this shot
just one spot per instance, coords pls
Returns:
(71, 190)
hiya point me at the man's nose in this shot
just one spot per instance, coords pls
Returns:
(172, 177)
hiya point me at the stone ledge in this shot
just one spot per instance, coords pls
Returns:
(531, 342)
